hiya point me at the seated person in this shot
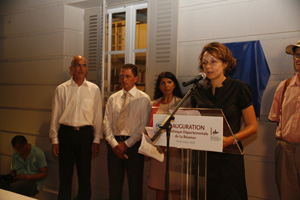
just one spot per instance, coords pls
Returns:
(29, 167)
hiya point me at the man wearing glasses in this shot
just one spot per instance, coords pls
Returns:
(285, 111)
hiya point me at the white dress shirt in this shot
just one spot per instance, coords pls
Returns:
(76, 106)
(138, 117)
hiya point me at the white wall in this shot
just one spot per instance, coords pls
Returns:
(37, 41)
(276, 24)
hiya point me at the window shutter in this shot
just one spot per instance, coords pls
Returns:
(93, 40)
(162, 40)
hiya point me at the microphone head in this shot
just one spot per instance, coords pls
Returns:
(202, 74)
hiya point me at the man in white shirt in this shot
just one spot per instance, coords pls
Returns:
(123, 143)
(76, 129)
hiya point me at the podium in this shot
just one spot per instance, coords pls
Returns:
(195, 131)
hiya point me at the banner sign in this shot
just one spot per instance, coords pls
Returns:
(192, 132)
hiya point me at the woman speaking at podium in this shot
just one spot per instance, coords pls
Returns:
(225, 172)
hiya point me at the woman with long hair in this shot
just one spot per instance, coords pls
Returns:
(167, 94)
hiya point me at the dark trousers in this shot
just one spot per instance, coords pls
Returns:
(24, 187)
(75, 147)
(134, 167)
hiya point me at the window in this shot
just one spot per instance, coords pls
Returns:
(125, 42)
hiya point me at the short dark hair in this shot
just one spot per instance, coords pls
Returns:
(132, 67)
(158, 93)
(18, 139)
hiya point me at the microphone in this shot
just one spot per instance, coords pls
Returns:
(200, 76)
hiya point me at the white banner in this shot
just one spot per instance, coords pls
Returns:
(192, 132)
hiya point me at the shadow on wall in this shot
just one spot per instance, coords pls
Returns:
(259, 162)
(50, 185)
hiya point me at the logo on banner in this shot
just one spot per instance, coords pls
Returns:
(215, 132)
(214, 135)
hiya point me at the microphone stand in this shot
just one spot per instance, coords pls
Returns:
(166, 125)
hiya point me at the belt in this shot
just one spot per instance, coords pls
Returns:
(121, 137)
(78, 128)
(291, 143)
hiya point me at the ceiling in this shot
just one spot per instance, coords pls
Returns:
(85, 4)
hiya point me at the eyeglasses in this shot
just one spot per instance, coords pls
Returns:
(296, 56)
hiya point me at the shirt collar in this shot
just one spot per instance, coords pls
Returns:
(225, 82)
(72, 82)
(20, 157)
(132, 92)
(295, 80)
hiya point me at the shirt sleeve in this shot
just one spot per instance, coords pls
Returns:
(276, 104)
(107, 123)
(144, 116)
(97, 124)
(55, 115)
(246, 97)
(41, 159)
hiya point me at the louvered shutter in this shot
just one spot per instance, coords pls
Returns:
(93, 37)
(162, 40)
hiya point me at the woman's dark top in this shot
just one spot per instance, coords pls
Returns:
(225, 172)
